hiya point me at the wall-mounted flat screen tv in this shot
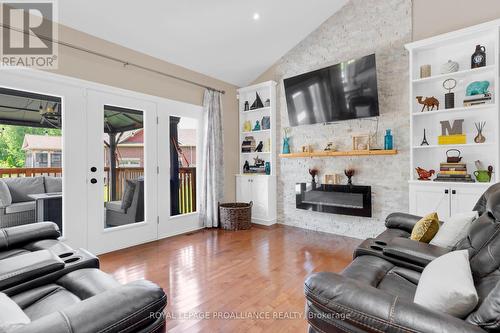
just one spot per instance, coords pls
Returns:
(340, 92)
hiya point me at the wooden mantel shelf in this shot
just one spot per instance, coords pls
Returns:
(340, 153)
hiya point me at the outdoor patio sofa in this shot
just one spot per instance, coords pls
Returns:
(16, 207)
(131, 208)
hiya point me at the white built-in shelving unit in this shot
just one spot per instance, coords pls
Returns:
(258, 188)
(445, 197)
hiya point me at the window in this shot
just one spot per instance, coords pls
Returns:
(55, 160)
(129, 162)
(41, 160)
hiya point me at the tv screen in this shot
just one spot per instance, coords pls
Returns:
(343, 91)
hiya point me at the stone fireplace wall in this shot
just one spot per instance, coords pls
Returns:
(360, 28)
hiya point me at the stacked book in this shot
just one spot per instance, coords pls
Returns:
(477, 99)
(453, 172)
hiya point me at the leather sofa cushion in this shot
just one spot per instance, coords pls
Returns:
(11, 315)
(21, 187)
(86, 283)
(12, 253)
(389, 234)
(44, 300)
(70, 289)
(383, 275)
(20, 207)
(53, 184)
(487, 315)
(55, 246)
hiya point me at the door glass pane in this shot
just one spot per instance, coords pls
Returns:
(30, 132)
(123, 140)
(183, 141)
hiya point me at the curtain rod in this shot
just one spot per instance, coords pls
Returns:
(125, 63)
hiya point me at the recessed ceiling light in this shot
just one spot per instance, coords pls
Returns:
(256, 16)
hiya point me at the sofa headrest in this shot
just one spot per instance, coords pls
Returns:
(480, 206)
(483, 243)
(493, 205)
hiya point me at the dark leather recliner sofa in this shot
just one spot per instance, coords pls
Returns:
(375, 292)
(46, 286)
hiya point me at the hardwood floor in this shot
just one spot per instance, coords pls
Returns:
(251, 276)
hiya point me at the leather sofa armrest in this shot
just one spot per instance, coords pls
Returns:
(361, 307)
(130, 308)
(25, 267)
(401, 221)
(14, 236)
(413, 251)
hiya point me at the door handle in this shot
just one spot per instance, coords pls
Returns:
(453, 192)
(93, 169)
(446, 191)
(93, 180)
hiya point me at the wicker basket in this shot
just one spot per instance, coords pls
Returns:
(236, 216)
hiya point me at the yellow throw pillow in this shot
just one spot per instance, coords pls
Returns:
(425, 229)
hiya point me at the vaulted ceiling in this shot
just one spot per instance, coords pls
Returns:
(231, 40)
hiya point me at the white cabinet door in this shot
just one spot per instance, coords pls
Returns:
(428, 199)
(244, 189)
(260, 191)
(463, 199)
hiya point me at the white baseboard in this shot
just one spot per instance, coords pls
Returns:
(264, 222)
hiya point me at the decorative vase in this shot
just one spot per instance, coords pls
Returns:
(449, 67)
(388, 140)
(286, 146)
(266, 122)
(268, 168)
(480, 138)
(478, 58)
(349, 173)
(247, 106)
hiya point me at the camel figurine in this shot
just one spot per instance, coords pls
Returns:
(429, 102)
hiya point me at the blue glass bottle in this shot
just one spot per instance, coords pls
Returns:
(388, 140)
(286, 146)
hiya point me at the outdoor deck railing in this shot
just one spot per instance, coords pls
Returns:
(29, 172)
(187, 190)
(187, 181)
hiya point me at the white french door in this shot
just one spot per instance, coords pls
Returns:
(121, 171)
(74, 212)
(180, 155)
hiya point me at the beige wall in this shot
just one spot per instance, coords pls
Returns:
(434, 17)
(93, 68)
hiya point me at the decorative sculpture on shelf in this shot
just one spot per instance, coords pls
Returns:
(477, 88)
(259, 147)
(449, 97)
(257, 126)
(448, 129)
(246, 167)
(429, 102)
(480, 138)
(257, 104)
(424, 140)
(449, 67)
(247, 126)
(266, 123)
(329, 147)
(424, 174)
